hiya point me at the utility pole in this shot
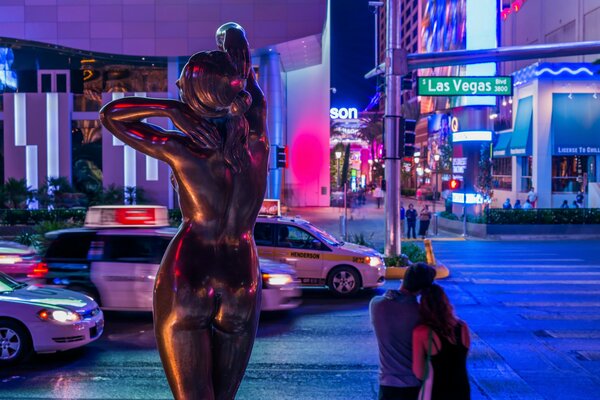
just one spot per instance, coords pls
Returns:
(395, 67)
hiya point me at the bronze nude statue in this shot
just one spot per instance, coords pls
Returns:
(207, 291)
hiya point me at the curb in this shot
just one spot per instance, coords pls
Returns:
(441, 271)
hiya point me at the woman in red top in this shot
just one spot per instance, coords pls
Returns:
(447, 340)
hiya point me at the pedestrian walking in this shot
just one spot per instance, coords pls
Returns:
(532, 197)
(579, 198)
(411, 221)
(394, 317)
(378, 194)
(424, 220)
(402, 217)
(506, 205)
(440, 348)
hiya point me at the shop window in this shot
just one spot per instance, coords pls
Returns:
(526, 168)
(53, 81)
(502, 173)
(61, 83)
(46, 83)
(571, 174)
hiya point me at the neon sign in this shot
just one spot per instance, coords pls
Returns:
(343, 113)
(472, 136)
(471, 198)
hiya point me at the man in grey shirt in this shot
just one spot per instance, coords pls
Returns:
(394, 316)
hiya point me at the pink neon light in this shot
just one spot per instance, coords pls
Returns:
(306, 158)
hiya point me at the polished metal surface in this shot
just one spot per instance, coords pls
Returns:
(207, 292)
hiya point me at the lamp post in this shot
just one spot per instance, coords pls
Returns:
(417, 158)
(338, 155)
(436, 158)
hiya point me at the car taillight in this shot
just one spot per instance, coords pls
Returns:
(39, 271)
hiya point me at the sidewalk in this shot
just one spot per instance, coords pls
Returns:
(367, 220)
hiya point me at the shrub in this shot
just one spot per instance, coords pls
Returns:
(175, 217)
(411, 253)
(360, 239)
(449, 215)
(544, 216)
(408, 192)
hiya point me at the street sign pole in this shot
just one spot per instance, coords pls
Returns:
(395, 68)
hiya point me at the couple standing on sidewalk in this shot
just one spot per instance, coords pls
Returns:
(411, 220)
(422, 346)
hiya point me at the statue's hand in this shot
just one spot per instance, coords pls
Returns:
(202, 132)
(237, 47)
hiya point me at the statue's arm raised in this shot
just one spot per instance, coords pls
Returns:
(124, 118)
(231, 38)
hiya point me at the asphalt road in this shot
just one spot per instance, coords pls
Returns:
(533, 308)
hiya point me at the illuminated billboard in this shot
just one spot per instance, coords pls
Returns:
(458, 25)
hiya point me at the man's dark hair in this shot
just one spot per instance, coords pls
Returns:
(418, 276)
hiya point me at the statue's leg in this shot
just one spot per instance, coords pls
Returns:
(233, 337)
(183, 334)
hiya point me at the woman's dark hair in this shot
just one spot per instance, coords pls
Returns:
(437, 312)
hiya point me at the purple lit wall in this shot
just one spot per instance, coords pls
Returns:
(154, 27)
(307, 180)
(28, 152)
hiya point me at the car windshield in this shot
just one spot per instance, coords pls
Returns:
(321, 234)
(7, 284)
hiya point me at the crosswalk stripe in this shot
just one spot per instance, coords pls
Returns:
(569, 334)
(572, 292)
(500, 259)
(551, 303)
(520, 266)
(532, 273)
(483, 281)
(566, 317)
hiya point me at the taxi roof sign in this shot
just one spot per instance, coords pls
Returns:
(270, 208)
(126, 217)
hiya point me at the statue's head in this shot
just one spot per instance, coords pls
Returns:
(220, 35)
(209, 83)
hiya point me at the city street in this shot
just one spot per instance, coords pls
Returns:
(532, 308)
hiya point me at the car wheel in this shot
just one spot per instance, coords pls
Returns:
(15, 342)
(344, 281)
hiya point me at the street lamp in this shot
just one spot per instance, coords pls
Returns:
(436, 158)
(338, 155)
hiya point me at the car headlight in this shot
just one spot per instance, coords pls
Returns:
(277, 279)
(60, 316)
(375, 261)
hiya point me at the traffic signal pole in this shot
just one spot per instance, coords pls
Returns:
(393, 110)
(399, 63)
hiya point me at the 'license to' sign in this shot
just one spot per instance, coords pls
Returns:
(465, 86)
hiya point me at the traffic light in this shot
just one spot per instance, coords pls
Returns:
(281, 157)
(454, 184)
(406, 137)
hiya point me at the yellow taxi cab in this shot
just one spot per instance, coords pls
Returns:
(318, 257)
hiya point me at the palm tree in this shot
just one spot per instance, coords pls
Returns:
(372, 133)
(15, 193)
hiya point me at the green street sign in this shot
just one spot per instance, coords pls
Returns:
(465, 86)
